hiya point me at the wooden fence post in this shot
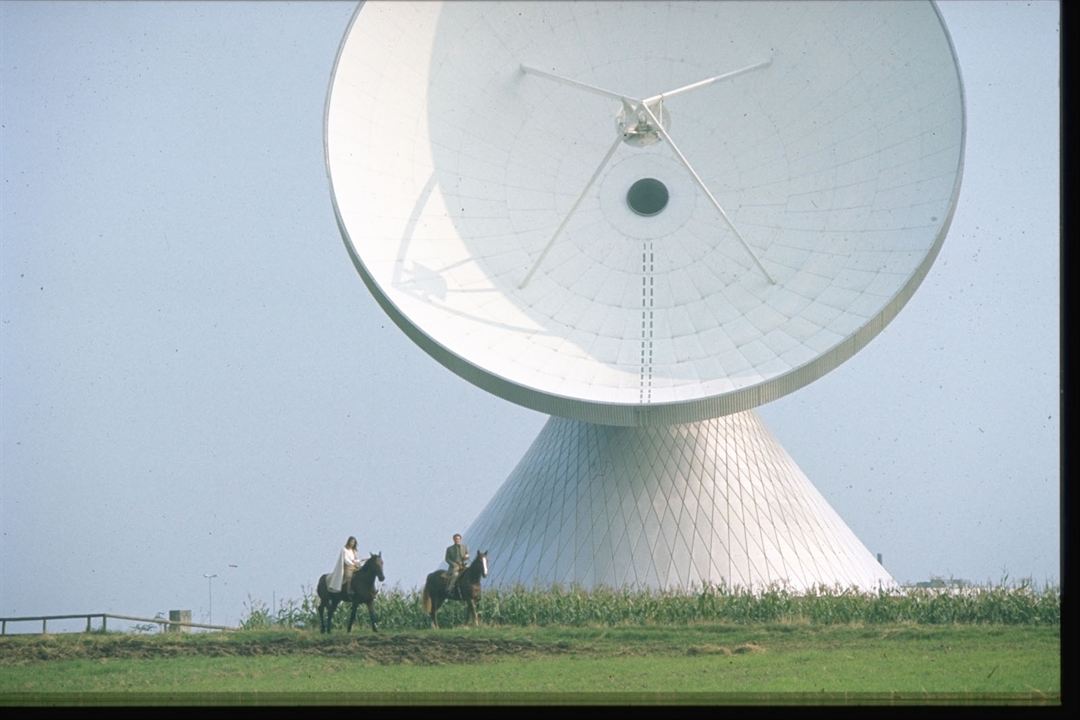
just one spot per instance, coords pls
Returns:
(183, 616)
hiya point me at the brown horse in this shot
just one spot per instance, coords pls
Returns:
(467, 589)
(361, 589)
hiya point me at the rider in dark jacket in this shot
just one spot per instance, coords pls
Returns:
(457, 557)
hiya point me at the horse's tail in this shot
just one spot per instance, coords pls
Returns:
(426, 599)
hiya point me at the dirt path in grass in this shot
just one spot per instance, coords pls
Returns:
(377, 649)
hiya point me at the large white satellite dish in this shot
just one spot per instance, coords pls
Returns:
(647, 214)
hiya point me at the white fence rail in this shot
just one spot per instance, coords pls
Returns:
(171, 625)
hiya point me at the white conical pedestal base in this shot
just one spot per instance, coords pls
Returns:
(717, 501)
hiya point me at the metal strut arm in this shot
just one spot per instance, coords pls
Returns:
(577, 84)
(566, 219)
(708, 81)
(701, 184)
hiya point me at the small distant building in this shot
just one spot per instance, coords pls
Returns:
(939, 582)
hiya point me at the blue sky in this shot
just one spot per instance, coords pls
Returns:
(193, 377)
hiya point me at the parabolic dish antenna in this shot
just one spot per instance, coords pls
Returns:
(646, 213)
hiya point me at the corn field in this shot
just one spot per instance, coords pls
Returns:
(398, 610)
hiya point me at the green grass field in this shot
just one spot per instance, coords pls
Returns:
(699, 663)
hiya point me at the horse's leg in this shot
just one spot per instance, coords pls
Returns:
(371, 616)
(436, 601)
(352, 615)
(322, 620)
(330, 614)
(327, 608)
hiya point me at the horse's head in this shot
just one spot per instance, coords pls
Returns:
(481, 560)
(376, 561)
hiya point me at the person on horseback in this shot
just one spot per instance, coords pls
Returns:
(457, 557)
(347, 563)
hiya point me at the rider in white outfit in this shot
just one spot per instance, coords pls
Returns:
(347, 563)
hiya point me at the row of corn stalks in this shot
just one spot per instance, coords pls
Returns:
(1012, 604)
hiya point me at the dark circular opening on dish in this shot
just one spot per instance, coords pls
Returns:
(647, 196)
